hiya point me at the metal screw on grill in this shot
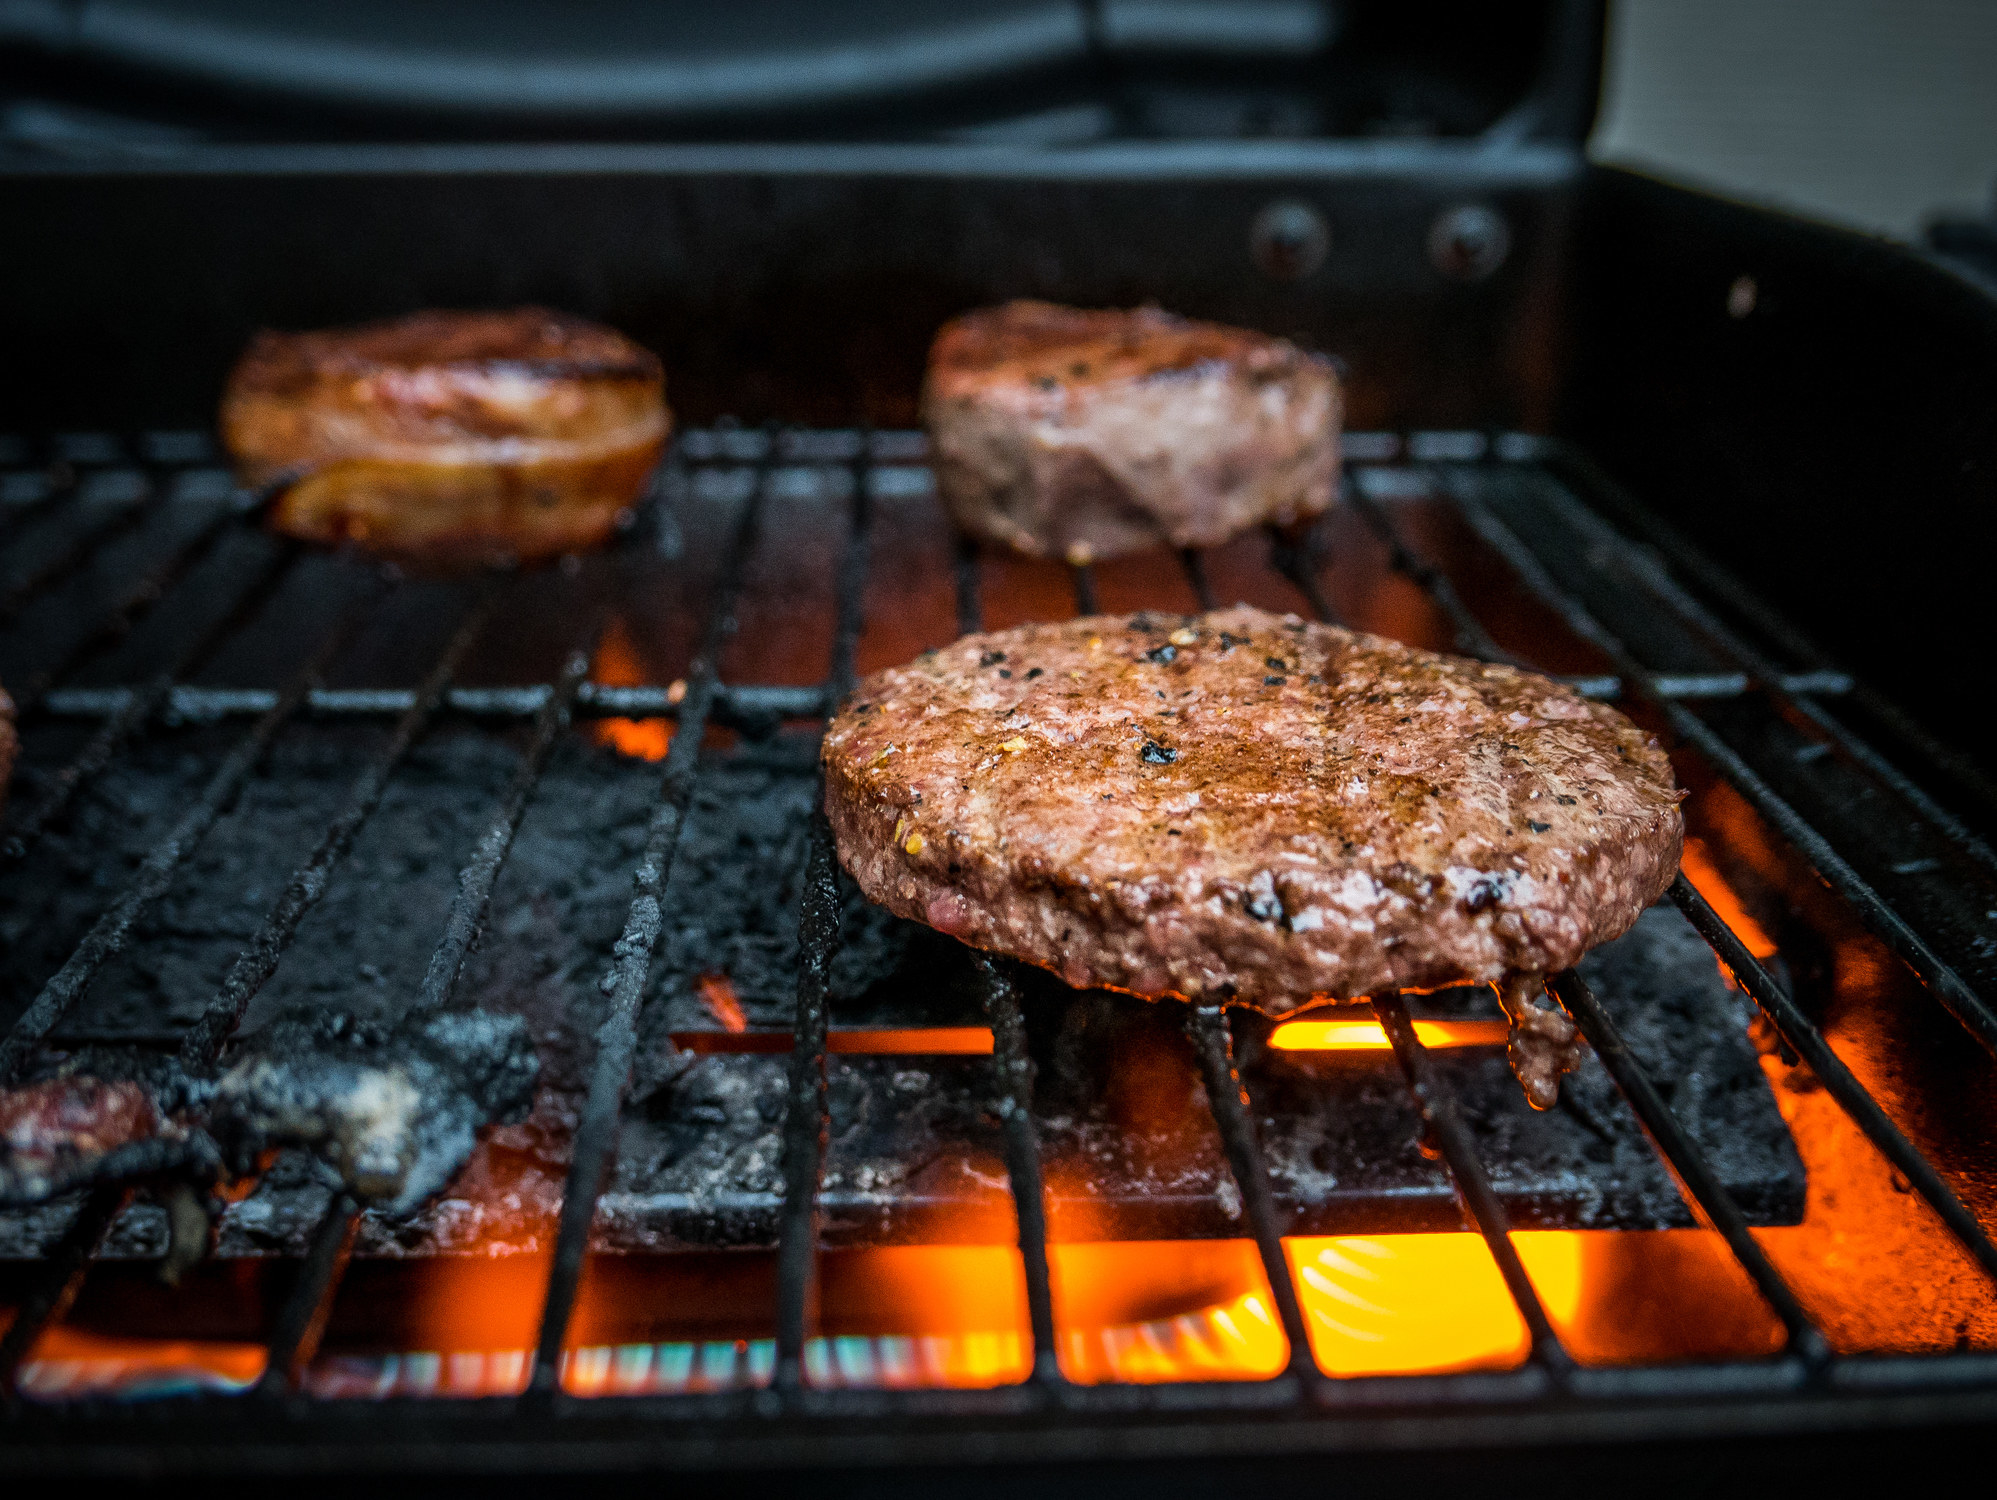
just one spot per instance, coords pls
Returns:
(1289, 240)
(1469, 242)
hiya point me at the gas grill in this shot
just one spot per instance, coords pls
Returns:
(808, 1188)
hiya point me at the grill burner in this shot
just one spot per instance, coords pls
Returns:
(721, 1145)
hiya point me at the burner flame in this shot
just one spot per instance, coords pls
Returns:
(1348, 1036)
(718, 995)
(619, 663)
(1698, 867)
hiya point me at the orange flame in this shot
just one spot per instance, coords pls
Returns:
(1402, 1304)
(1341, 1036)
(1164, 1310)
(618, 664)
(1698, 867)
(68, 1362)
(718, 995)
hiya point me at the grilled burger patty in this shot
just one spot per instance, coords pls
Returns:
(1243, 805)
(1084, 435)
(450, 435)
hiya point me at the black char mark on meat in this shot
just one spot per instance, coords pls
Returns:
(395, 1111)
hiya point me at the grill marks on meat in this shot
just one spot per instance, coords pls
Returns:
(1086, 435)
(394, 1113)
(1242, 805)
(450, 436)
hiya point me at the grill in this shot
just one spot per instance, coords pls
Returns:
(806, 1188)
(1494, 543)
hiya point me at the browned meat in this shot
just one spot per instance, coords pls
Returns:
(1243, 805)
(450, 436)
(1084, 435)
(58, 1127)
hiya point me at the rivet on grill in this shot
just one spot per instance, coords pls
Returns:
(1469, 242)
(1289, 240)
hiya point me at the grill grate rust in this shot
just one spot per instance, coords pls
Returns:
(1737, 673)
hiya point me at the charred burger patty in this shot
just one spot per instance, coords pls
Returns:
(1244, 805)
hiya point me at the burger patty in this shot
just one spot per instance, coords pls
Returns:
(1241, 805)
(447, 435)
(1084, 435)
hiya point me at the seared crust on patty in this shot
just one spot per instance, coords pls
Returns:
(1084, 435)
(450, 435)
(1244, 805)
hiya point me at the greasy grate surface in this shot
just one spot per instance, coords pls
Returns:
(206, 709)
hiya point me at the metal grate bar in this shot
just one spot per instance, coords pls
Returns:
(1194, 563)
(58, 1280)
(18, 591)
(733, 707)
(804, 1112)
(1227, 1099)
(741, 705)
(1082, 578)
(1293, 554)
(302, 1320)
(1948, 987)
(118, 622)
(1471, 638)
(1791, 689)
(1013, 1067)
(473, 902)
(257, 962)
(970, 612)
(1696, 1177)
(1473, 1183)
(311, 1300)
(1013, 1072)
(805, 1122)
(1803, 1337)
(108, 935)
(138, 707)
(1583, 473)
(61, 484)
(625, 982)
(1807, 1042)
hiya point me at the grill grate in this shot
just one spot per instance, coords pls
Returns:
(1495, 485)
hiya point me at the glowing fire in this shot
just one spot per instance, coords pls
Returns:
(1341, 1036)
(1699, 868)
(69, 1363)
(618, 664)
(718, 995)
(1402, 1304)
(1164, 1310)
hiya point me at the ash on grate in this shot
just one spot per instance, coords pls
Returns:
(392, 1111)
